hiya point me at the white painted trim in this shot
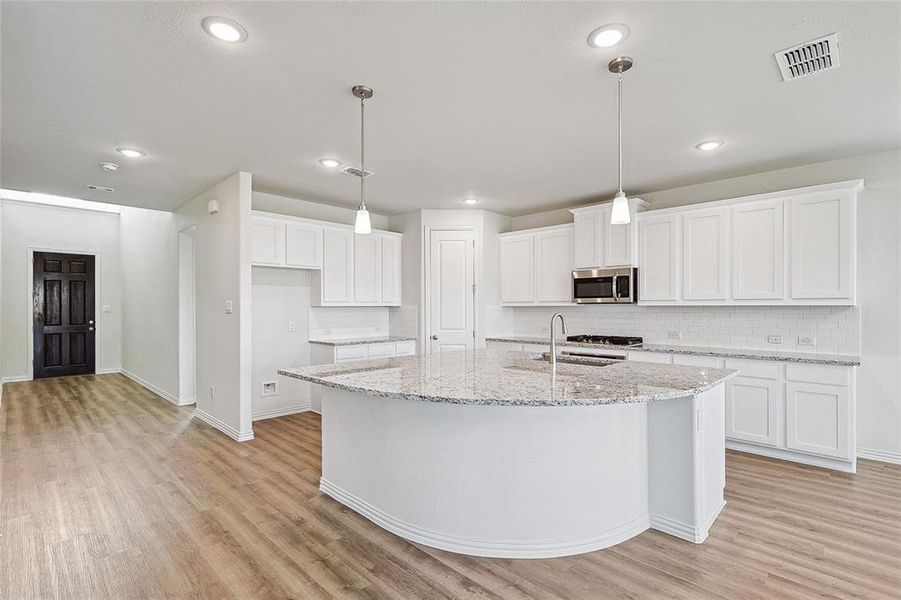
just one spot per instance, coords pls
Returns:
(154, 388)
(880, 455)
(109, 371)
(14, 379)
(281, 412)
(224, 428)
(695, 535)
(487, 548)
(29, 302)
(846, 466)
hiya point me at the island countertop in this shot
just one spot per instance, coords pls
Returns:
(503, 378)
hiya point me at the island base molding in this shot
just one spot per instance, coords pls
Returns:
(525, 481)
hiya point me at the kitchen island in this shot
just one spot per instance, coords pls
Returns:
(495, 453)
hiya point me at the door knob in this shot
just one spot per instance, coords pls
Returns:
(90, 322)
(90, 329)
(435, 337)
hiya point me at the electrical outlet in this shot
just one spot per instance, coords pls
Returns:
(270, 388)
(212, 392)
(774, 339)
(292, 326)
(229, 307)
(675, 335)
(806, 340)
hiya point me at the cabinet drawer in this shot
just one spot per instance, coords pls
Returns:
(754, 368)
(381, 350)
(343, 353)
(711, 362)
(832, 375)
(407, 348)
(651, 357)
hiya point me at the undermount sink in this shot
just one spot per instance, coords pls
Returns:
(594, 361)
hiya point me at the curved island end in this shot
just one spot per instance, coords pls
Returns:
(494, 453)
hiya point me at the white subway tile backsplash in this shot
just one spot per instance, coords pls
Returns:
(348, 321)
(836, 328)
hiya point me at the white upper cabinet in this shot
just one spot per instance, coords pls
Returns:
(303, 245)
(517, 268)
(705, 254)
(367, 267)
(391, 268)
(267, 241)
(757, 250)
(781, 248)
(821, 232)
(536, 266)
(587, 229)
(553, 272)
(659, 258)
(599, 244)
(337, 266)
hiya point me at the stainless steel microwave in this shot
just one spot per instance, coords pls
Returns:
(601, 286)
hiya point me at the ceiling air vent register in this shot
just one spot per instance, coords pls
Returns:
(355, 172)
(809, 58)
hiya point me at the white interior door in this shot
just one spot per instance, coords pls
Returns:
(451, 279)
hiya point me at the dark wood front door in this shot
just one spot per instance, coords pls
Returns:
(63, 304)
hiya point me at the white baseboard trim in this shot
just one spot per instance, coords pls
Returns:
(223, 427)
(280, 412)
(846, 466)
(880, 455)
(487, 548)
(15, 379)
(683, 531)
(107, 371)
(153, 388)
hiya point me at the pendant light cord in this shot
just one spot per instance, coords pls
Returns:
(619, 126)
(362, 154)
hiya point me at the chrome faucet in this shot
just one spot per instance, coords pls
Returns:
(554, 340)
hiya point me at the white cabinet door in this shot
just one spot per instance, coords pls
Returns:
(821, 232)
(267, 241)
(659, 258)
(303, 245)
(752, 410)
(518, 268)
(337, 266)
(818, 419)
(587, 231)
(617, 240)
(553, 266)
(391, 269)
(757, 250)
(367, 269)
(705, 254)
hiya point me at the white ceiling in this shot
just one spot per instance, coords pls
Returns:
(504, 101)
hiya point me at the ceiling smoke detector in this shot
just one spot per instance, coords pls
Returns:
(355, 172)
(809, 58)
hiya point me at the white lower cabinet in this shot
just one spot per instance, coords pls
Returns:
(818, 419)
(752, 408)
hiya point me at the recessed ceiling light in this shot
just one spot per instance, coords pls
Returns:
(331, 163)
(608, 35)
(109, 166)
(130, 152)
(471, 201)
(224, 29)
(708, 145)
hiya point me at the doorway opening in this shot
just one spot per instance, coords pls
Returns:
(187, 392)
(63, 319)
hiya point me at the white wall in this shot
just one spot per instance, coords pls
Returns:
(150, 299)
(280, 297)
(45, 227)
(879, 272)
(223, 341)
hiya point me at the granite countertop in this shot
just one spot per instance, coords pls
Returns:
(759, 354)
(502, 378)
(356, 341)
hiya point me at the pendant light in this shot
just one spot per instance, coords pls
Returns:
(620, 214)
(362, 224)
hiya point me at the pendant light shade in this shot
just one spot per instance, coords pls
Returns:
(620, 214)
(362, 223)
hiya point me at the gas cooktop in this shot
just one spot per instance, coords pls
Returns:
(605, 340)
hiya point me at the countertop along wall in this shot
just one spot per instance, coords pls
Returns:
(878, 276)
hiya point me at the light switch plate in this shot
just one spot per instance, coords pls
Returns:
(774, 339)
(229, 307)
(675, 335)
(807, 340)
